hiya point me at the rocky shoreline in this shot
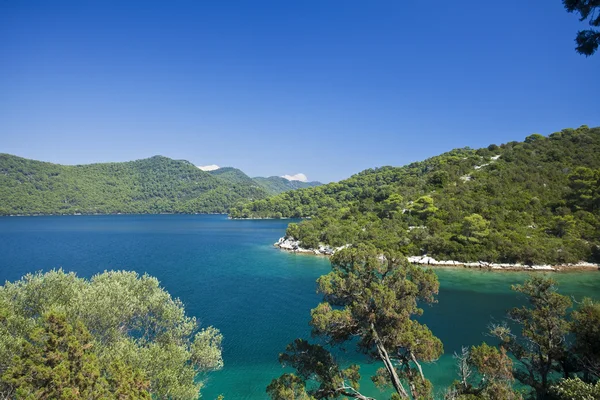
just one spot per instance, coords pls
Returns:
(425, 260)
(292, 245)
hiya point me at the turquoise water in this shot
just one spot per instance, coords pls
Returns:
(228, 275)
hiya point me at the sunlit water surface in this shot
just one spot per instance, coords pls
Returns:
(228, 275)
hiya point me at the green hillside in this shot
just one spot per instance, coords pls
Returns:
(277, 184)
(272, 185)
(533, 202)
(153, 185)
(233, 175)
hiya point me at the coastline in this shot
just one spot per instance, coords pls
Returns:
(148, 213)
(256, 218)
(293, 246)
(117, 213)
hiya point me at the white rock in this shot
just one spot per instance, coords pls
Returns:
(542, 267)
(585, 264)
(290, 244)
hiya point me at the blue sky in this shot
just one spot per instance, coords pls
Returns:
(325, 88)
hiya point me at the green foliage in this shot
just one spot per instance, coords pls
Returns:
(532, 202)
(288, 387)
(375, 301)
(585, 327)
(275, 184)
(232, 175)
(369, 300)
(475, 228)
(485, 374)
(491, 362)
(317, 367)
(554, 355)
(576, 389)
(135, 328)
(541, 347)
(423, 207)
(154, 185)
(58, 361)
(585, 189)
(587, 40)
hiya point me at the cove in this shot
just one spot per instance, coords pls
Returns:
(228, 275)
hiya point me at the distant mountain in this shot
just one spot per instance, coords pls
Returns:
(233, 175)
(273, 184)
(153, 185)
(276, 184)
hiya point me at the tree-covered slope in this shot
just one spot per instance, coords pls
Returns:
(153, 185)
(536, 201)
(277, 184)
(272, 185)
(233, 175)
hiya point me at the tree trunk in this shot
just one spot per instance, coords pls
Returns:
(383, 354)
(355, 395)
(412, 356)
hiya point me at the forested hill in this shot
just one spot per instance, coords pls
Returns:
(277, 184)
(233, 175)
(272, 184)
(154, 185)
(536, 201)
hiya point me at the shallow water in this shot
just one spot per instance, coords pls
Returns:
(228, 275)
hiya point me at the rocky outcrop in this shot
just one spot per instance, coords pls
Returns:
(293, 245)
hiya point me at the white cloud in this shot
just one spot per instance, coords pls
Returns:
(208, 167)
(298, 177)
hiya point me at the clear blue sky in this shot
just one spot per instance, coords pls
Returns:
(326, 88)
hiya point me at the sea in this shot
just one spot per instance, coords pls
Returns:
(229, 275)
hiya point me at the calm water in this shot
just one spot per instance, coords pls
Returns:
(228, 275)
